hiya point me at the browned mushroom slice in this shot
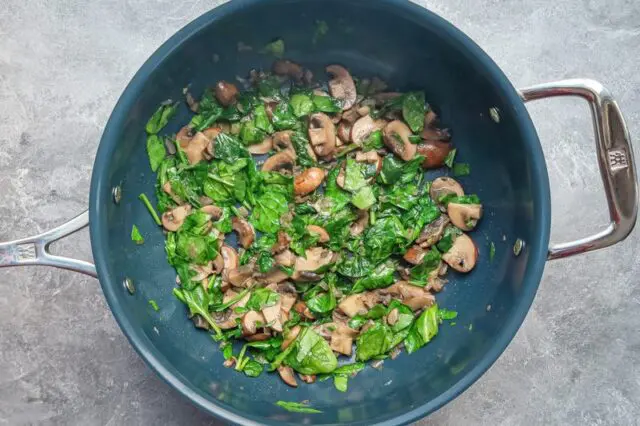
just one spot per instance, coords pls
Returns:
(315, 258)
(261, 148)
(167, 188)
(282, 243)
(430, 119)
(251, 321)
(239, 276)
(218, 264)
(282, 141)
(285, 258)
(275, 275)
(322, 234)
(287, 376)
(415, 255)
(344, 132)
(290, 336)
(342, 338)
(282, 160)
(392, 317)
(360, 224)
(350, 116)
(202, 271)
(173, 219)
(341, 86)
(358, 303)
(230, 257)
(272, 316)
(212, 210)
(433, 231)
(370, 157)
(444, 186)
(464, 216)
(434, 153)
(420, 302)
(307, 181)
(184, 135)
(308, 378)
(322, 134)
(246, 233)
(257, 337)
(288, 68)
(195, 150)
(462, 255)
(301, 308)
(396, 138)
(364, 127)
(226, 92)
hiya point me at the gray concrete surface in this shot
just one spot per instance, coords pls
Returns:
(63, 359)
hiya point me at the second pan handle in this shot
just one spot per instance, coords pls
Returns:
(615, 158)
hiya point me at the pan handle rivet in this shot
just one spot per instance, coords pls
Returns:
(128, 284)
(117, 194)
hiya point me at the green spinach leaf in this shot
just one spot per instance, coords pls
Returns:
(161, 117)
(373, 342)
(136, 237)
(419, 275)
(311, 354)
(156, 151)
(413, 110)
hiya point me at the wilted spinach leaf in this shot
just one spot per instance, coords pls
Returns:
(413, 110)
(423, 330)
(301, 104)
(262, 298)
(419, 274)
(161, 117)
(383, 238)
(311, 354)
(373, 342)
(156, 151)
(229, 149)
(380, 277)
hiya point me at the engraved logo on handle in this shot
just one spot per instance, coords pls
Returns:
(617, 159)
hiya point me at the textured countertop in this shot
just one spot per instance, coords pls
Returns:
(63, 360)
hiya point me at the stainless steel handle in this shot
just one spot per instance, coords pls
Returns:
(615, 158)
(35, 250)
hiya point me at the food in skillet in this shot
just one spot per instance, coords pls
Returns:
(342, 242)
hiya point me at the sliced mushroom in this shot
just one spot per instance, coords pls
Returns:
(414, 255)
(340, 178)
(444, 186)
(420, 302)
(288, 300)
(344, 132)
(322, 134)
(273, 317)
(202, 271)
(274, 276)
(320, 232)
(257, 337)
(308, 378)
(288, 68)
(464, 216)
(364, 127)
(287, 376)
(285, 258)
(462, 255)
(370, 157)
(301, 308)
(341, 86)
(226, 92)
(350, 116)
(281, 160)
(238, 276)
(307, 181)
(358, 303)
(212, 132)
(392, 317)
(167, 188)
(218, 264)
(246, 233)
(315, 257)
(282, 141)
(184, 135)
(173, 219)
(200, 322)
(342, 338)
(230, 258)
(290, 336)
(396, 138)
(251, 321)
(433, 232)
(360, 224)
(197, 147)
(404, 290)
(363, 110)
(434, 153)
(282, 243)
(261, 148)
(212, 210)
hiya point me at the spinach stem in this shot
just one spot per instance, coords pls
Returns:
(152, 211)
(222, 181)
